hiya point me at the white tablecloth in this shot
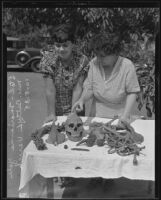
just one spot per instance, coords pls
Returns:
(59, 162)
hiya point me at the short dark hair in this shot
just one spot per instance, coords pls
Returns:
(109, 43)
(67, 29)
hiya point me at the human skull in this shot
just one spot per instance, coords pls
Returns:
(74, 127)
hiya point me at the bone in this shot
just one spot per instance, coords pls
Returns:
(109, 129)
(135, 161)
(79, 149)
(81, 142)
(112, 120)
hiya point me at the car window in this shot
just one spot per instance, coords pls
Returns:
(16, 43)
(21, 44)
(10, 44)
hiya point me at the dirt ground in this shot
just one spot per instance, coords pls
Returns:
(34, 118)
(83, 188)
(120, 188)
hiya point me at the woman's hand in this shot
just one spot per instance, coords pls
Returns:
(49, 118)
(121, 119)
(78, 106)
(118, 121)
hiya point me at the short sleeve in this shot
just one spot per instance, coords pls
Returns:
(48, 64)
(88, 81)
(131, 84)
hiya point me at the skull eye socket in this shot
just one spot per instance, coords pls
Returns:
(71, 125)
(79, 124)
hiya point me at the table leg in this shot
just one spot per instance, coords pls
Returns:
(50, 188)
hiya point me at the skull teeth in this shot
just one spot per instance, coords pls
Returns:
(80, 135)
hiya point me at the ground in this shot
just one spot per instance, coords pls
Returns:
(115, 188)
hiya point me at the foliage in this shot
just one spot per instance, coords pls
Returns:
(135, 26)
(87, 20)
(142, 53)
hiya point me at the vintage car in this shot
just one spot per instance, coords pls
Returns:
(20, 55)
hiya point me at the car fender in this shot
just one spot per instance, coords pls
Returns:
(30, 62)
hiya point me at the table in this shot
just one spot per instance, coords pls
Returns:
(59, 162)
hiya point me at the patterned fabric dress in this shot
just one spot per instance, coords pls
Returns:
(64, 77)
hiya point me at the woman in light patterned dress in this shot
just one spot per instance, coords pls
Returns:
(111, 81)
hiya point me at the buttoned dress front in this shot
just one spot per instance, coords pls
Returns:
(109, 96)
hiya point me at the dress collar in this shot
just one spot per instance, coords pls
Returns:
(114, 70)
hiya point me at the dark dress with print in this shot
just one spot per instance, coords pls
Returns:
(65, 77)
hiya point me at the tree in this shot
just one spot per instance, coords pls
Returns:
(137, 28)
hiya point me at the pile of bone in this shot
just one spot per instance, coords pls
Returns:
(122, 139)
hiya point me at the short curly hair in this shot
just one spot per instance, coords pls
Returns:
(63, 29)
(109, 43)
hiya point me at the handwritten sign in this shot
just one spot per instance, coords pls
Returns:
(17, 103)
(26, 111)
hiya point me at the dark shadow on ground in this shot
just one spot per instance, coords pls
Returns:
(119, 188)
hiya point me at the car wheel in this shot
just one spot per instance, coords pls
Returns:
(21, 58)
(35, 65)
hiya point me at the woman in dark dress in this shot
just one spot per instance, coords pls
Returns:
(65, 69)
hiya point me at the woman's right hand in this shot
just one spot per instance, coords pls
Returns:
(78, 106)
(50, 118)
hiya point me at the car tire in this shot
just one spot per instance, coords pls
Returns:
(35, 65)
(22, 55)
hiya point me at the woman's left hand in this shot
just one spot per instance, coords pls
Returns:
(127, 119)
(119, 124)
